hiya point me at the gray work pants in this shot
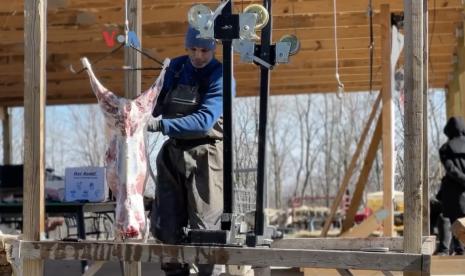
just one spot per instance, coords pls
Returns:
(189, 193)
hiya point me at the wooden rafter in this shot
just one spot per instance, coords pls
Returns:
(75, 29)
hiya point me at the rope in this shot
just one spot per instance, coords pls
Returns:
(340, 85)
(371, 46)
(126, 22)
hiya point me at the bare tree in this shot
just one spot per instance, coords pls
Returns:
(307, 131)
(56, 145)
(88, 137)
(279, 145)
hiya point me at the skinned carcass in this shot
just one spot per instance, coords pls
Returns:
(126, 157)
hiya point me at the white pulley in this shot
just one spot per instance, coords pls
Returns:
(294, 42)
(198, 14)
(262, 15)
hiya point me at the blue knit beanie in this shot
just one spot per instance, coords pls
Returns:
(193, 41)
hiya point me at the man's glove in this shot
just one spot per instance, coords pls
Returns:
(154, 125)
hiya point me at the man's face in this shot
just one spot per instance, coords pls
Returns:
(200, 57)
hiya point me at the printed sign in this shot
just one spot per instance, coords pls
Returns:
(85, 184)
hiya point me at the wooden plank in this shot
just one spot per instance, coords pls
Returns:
(59, 34)
(387, 117)
(6, 134)
(440, 265)
(169, 46)
(283, 6)
(148, 252)
(34, 123)
(448, 265)
(414, 40)
(172, 19)
(245, 78)
(363, 177)
(333, 272)
(80, 94)
(350, 168)
(352, 244)
(247, 88)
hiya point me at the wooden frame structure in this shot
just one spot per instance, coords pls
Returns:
(30, 252)
(261, 257)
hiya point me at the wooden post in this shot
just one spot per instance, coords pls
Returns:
(5, 117)
(453, 92)
(387, 116)
(351, 168)
(132, 58)
(414, 85)
(132, 85)
(35, 18)
(425, 201)
(460, 76)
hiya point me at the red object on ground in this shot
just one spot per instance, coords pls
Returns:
(361, 216)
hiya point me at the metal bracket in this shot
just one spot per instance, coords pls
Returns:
(246, 50)
(282, 52)
(206, 22)
(247, 23)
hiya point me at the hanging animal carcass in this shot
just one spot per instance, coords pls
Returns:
(126, 158)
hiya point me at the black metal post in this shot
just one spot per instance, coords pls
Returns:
(228, 130)
(265, 54)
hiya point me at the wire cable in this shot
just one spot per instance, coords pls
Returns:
(371, 46)
(340, 85)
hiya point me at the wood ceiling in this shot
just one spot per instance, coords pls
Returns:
(75, 29)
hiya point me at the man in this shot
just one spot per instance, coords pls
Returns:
(190, 163)
(442, 224)
(452, 190)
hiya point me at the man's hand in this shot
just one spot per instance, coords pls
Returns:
(153, 125)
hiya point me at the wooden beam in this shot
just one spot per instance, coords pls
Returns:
(394, 244)
(34, 123)
(414, 19)
(453, 92)
(447, 265)
(149, 252)
(425, 152)
(132, 88)
(173, 19)
(363, 177)
(440, 265)
(387, 116)
(282, 7)
(460, 75)
(58, 34)
(6, 135)
(350, 168)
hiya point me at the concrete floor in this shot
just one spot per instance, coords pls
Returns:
(73, 268)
